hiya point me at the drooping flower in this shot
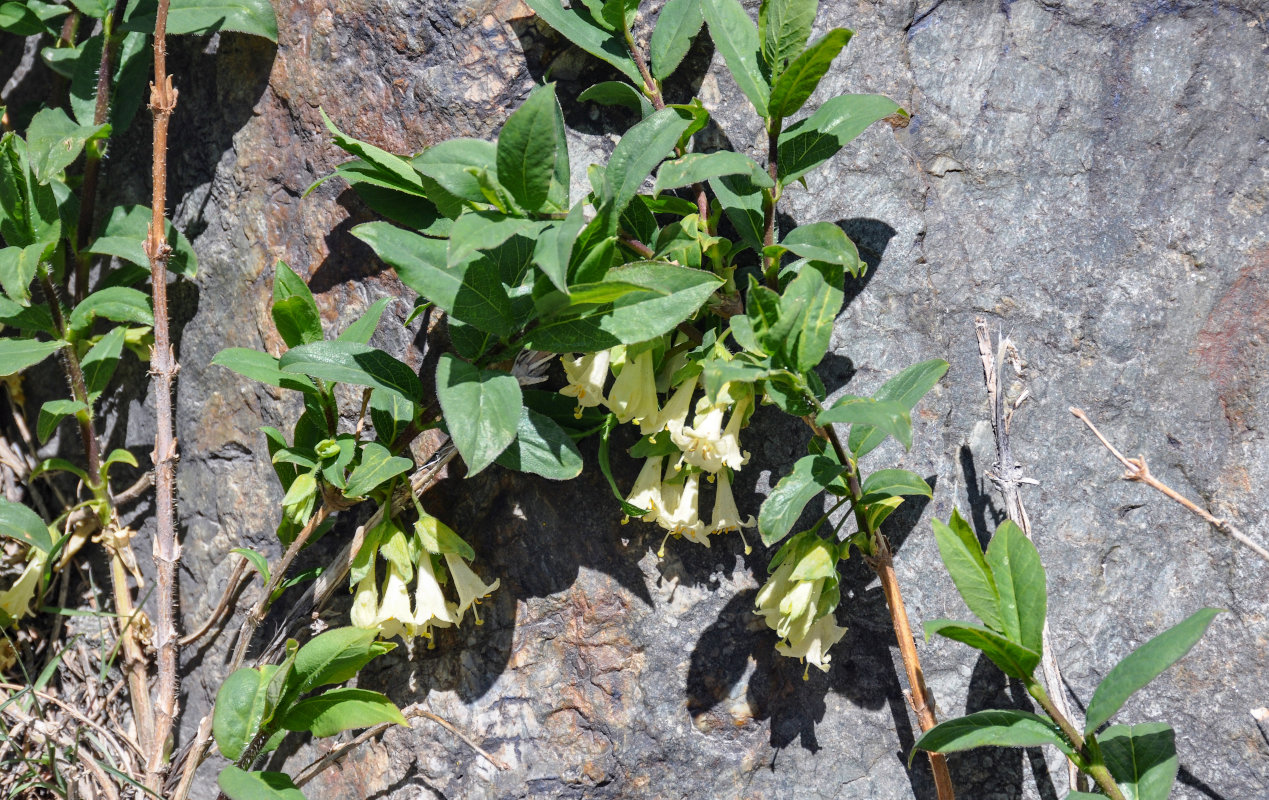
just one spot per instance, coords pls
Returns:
(430, 608)
(674, 415)
(634, 394)
(813, 647)
(647, 489)
(726, 516)
(706, 444)
(586, 377)
(366, 600)
(395, 615)
(791, 599)
(16, 600)
(681, 515)
(469, 586)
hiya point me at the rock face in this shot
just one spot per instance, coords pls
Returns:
(1092, 177)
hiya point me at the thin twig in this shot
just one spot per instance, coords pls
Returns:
(1138, 471)
(257, 613)
(135, 491)
(235, 581)
(167, 551)
(316, 767)
(1007, 475)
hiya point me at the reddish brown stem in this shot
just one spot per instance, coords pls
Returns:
(163, 367)
(881, 559)
(94, 152)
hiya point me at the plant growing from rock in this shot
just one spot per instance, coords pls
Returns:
(1004, 587)
(675, 311)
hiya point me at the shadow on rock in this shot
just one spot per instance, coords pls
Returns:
(735, 672)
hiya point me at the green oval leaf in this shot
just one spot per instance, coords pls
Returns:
(736, 37)
(255, 17)
(582, 30)
(700, 167)
(17, 19)
(664, 295)
(239, 784)
(617, 93)
(21, 523)
(54, 141)
(796, 84)
(677, 26)
(809, 142)
(636, 155)
(117, 303)
(1144, 665)
(782, 508)
(125, 233)
(906, 388)
(259, 366)
(341, 710)
(992, 728)
(355, 363)
(377, 466)
(18, 354)
(887, 416)
(1142, 759)
(334, 656)
(294, 310)
(822, 241)
(481, 407)
(543, 448)
(894, 483)
(963, 557)
(784, 26)
(1020, 583)
(1013, 659)
(526, 149)
(240, 706)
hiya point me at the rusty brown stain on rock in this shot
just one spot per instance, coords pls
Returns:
(1231, 346)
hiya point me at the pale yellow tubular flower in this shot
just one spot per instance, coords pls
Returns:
(729, 447)
(681, 511)
(430, 608)
(469, 586)
(797, 609)
(813, 647)
(767, 603)
(634, 394)
(366, 600)
(647, 489)
(395, 616)
(586, 377)
(16, 600)
(674, 415)
(726, 516)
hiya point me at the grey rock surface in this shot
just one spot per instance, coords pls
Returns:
(1091, 176)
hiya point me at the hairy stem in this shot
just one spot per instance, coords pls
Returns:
(94, 152)
(119, 546)
(164, 368)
